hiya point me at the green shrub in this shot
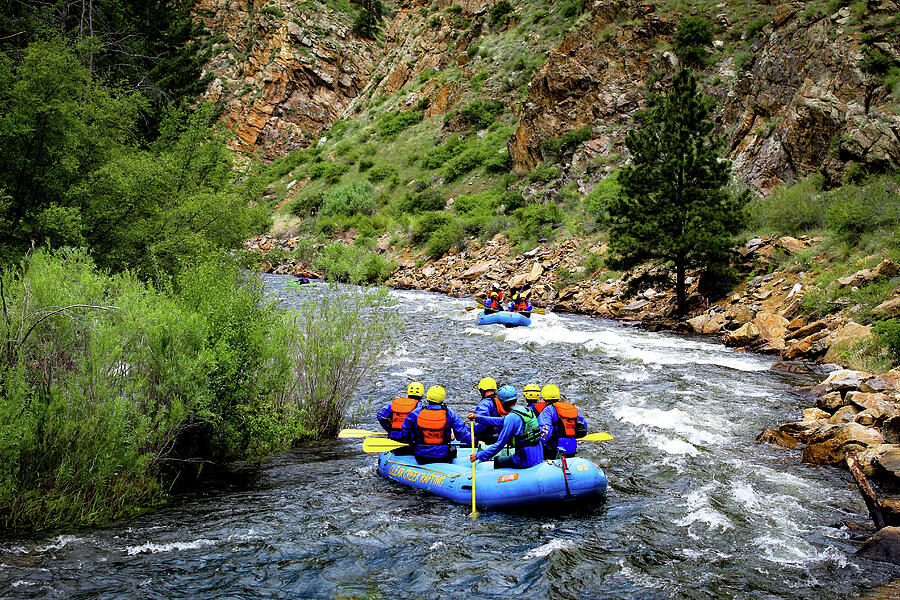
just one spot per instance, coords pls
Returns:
(499, 13)
(284, 165)
(390, 124)
(380, 173)
(605, 192)
(330, 172)
(887, 333)
(793, 210)
(414, 202)
(272, 10)
(543, 173)
(693, 37)
(307, 204)
(537, 220)
(481, 113)
(854, 210)
(566, 144)
(428, 223)
(440, 155)
(470, 158)
(448, 235)
(365, 163)
(755, 26)
(352, 264)
(500, 162)
(350, 199)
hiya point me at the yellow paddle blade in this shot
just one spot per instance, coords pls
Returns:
(357, 433)
(600, 436)
(471, 307)
(381, 445)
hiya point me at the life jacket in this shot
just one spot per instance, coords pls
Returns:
(432, 426)
(491, 304)
(568, 416)
(531, 435)
(521, 305)
(499, 406)
(401, 407)
(539, 406)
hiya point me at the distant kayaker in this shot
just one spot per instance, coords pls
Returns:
(489, 406)
(521, 304)
(303, 278)
(428, 428)
(492, 303)
(392, 414)
(532, 393)
(560, 424)
(519, 426)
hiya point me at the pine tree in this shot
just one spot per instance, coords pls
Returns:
(368, 19)
(674, 208)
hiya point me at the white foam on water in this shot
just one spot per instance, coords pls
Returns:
(700, 510)
(152, 548)
(61, 542)
(671, 445)
(362, 533)
(746, 496)
(634, 376)
(548, 526)
(410, 372)
(436, 545)
(551, 546)
(22, 582)
(676, 420)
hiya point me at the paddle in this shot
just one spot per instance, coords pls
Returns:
(358, 433)
(474, 514)
(381, 444)
(600, 436)
(537, 311)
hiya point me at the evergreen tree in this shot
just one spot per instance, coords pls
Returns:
(368, 19)
(674, 208)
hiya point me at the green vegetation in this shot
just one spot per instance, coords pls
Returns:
(368, 19)
(674, 207)
(109, 387)
(691, 40)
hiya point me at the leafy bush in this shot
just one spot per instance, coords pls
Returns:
(598, 199)
(566, 144)
(543, 173)
(793, 210)
(463, 163)
(481, 113)
(415, 202)
(307, 204)
(887, 333)
(693, 37)
(500, 162)
(272, 10)
(448, 235)
(499, 13)
(348, 200)
(392, 123)
(283, 165)
(476, 211)
(536, 220)
(755, 26)
(380, 173)
(352, 264)
(365, 163)
(428, 223)
(330, 172)
(854, 210)
(440, 155)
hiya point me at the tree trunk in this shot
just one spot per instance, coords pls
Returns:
(679, 288)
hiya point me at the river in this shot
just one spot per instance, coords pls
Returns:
(695, 507)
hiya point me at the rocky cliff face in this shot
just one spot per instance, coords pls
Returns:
(802, 104)
(795, 101)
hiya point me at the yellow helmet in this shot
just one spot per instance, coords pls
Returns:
(532, 392)
(487, 384)
(550, 393)
(415, 390)
(436, 394)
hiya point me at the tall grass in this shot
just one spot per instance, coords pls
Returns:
(109, 388)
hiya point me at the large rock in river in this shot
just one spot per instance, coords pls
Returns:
(830, 444)
(884, 546)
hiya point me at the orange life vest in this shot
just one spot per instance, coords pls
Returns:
(401, 407)
(433, 426)
(568, 415)
(499, 407)
(520, 305)
(539, 407)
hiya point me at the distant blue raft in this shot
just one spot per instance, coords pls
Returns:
(496, 488)
(510, 319)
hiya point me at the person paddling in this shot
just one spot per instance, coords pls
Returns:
(560, 424)
(518, 426)
(492, 303)
(489, 406)
(428, 428)
(521, 304)
(532, 393)
(392, 414)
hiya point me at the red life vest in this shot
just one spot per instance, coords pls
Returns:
(401, 407)
(568, 415)
(499, 406)
(539, 407)
(432, 426)
(520, 305)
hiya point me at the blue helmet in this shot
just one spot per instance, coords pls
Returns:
(507, 393)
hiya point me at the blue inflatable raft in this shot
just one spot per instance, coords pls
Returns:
(497, 487)
(510, 319)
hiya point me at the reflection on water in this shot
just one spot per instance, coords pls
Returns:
(696, 509)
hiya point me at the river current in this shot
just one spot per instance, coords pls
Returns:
(695, 507)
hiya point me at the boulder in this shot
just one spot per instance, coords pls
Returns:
(742, 336)
(815, 414)
(890, 430)
(778, 438)
(884, 546)
(771, 328)
(803, 430)
(841, 380)
(846, 337)
(866, 400)
(831, 402)
(830, 444)
(887, 309)
(845, 414)
(478, 269)
(882, 383)
(633, 309)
